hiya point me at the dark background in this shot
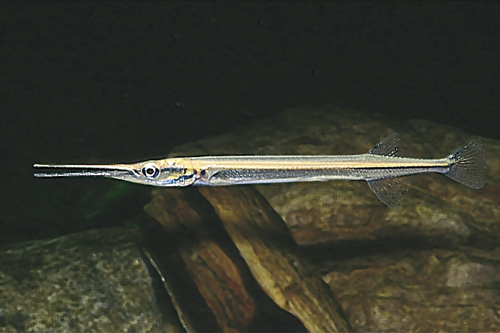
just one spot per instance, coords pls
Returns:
(97, 82)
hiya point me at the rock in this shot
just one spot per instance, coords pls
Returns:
(93, 280)
(419, 291)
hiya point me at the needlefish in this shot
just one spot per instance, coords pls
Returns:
(380, 167)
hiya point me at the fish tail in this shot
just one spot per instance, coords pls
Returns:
(467, 164)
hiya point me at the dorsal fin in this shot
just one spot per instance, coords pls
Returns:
(387, 147)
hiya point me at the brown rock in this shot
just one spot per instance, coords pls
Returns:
(420, 291)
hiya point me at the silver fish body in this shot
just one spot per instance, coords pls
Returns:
(380, 167)
(231, 170)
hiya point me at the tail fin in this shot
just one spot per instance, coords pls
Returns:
(467, 164)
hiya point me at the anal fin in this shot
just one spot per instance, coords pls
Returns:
(389, 190)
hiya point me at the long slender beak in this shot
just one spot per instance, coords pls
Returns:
(83, 170)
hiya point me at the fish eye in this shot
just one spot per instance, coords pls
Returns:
(150, 170)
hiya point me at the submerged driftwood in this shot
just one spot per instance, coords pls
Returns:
(266, 246)
(204, 260)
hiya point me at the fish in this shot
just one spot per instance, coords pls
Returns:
(381, 167)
